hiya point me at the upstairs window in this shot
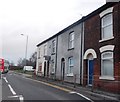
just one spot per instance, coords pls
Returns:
(107, 27)
(39, 53)
(71, 40)
(53, 46)
(45, 50)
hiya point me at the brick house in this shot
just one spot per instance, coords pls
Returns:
(102, 48)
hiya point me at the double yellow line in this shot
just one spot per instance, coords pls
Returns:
(54, 86)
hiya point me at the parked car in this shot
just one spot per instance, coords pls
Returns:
(28, 68)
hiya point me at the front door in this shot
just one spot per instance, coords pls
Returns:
(44, 69)
(90, 72)
(47, 68)
(62, 68)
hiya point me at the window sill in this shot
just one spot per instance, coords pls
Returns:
(70, 75)
(70, 49)
(53, 53)
(106, 39)
(106, 78)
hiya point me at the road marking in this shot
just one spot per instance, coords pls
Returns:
(13, 96)
(17, 96)
(84, 97)
(5, 79)
(73, 92)
(61, 88)
(58, 87)
(11, 89)
(48, 84)
(21, 98)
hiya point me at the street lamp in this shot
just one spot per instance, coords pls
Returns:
(26, 48)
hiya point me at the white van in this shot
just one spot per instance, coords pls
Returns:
(28, 68)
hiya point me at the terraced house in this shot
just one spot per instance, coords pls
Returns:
(46, 58)
(87, 51)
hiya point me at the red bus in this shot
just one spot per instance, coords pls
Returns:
(4, 65)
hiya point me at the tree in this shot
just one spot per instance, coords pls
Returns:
(33, 59)
(30, 62)
(20, 62)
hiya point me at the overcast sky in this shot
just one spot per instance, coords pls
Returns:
(39, 19)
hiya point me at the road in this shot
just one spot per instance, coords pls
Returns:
(18, 87)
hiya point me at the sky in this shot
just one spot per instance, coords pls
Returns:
(37, 19)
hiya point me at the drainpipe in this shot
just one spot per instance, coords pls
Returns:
(81, 54)
(56, 58)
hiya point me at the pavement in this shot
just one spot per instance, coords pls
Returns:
(94, 94)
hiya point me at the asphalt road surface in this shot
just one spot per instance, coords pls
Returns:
(18, 87)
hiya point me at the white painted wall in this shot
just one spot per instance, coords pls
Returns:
(40, 59)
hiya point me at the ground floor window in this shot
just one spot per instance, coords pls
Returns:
(70, 65)
(52, 66)
(107, 64)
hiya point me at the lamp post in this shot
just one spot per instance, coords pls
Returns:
(26, 48)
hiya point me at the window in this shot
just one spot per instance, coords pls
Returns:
(52, 66)
(53, 46)
(107, 26)
(71, 65)
(45, 50)
(107, 64)
(71, 40)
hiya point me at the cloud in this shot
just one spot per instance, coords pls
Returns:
(39, 19)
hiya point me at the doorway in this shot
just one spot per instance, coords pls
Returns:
(44, 68)
(62, 68)
(47, 68)
(90, 72)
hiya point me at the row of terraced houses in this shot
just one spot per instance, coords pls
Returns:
(87, 52)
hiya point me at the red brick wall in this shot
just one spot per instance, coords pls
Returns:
(92, 37)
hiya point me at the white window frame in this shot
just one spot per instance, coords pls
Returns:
(104, 26)
(103, 14)
(108, 77)
(71, 39)
(70, 66)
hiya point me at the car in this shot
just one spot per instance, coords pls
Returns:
(28, 68)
